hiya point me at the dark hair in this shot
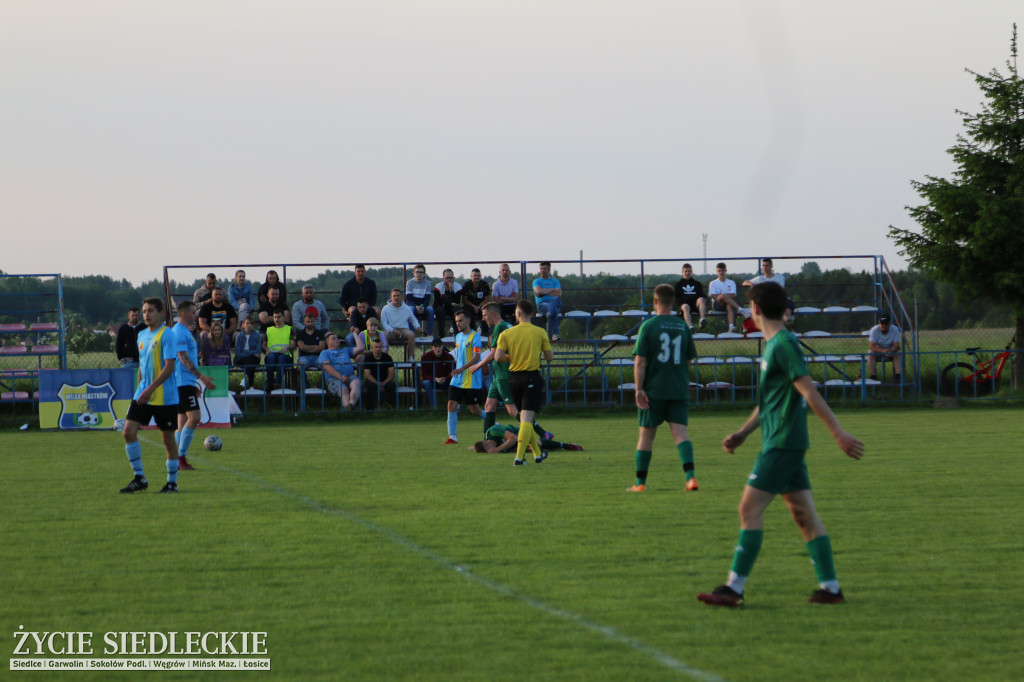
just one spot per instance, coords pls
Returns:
(361, 300)
(719, 265)
(770, 298)
(184, 305)
(154, 301)
(687, 265)
(766, 260)
(398, 290)
(359, 266)
(545, 262)
(491, 305)
(665, 294)
(419, 266)
(134, 309)
(474, 270)
(525, 306)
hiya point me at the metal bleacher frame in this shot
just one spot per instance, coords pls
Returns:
(32, 336)
(571, 377)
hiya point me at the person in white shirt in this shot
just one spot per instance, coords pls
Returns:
(398, 320)
(722, 291)
(884, 344)
(771, 276)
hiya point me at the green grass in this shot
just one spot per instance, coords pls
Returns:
(368, 551)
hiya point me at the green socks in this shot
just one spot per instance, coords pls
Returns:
(643, 462)
(746, 551)
(685, 450)
(820, 549)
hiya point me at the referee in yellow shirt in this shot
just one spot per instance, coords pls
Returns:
(522, 347)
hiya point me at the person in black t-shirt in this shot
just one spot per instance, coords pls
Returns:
(311, 342)
(379, 377)
(690, 295)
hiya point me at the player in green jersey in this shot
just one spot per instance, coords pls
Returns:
(784, 391)
(663, 349)
(500, 438)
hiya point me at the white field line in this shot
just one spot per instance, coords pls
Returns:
(504, 590)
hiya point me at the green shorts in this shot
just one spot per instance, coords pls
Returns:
(499, 390)
(780, 471)
(673, 411)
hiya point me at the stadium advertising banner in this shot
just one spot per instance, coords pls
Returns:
(84, 399)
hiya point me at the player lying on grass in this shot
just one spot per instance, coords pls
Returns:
(784, 391)
(501, 438)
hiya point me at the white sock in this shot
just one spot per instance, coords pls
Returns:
(830, 585)
(736, 582)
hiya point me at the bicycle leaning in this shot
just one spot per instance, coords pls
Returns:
(981, 378)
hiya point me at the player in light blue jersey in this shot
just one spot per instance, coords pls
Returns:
(156, 398)
(466, 385)
(186, 372)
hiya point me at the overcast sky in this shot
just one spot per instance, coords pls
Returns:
(140, 134)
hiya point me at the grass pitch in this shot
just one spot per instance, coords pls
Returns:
(367, 551)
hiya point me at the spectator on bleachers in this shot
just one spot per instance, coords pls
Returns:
(475, 293)
(215, 347)
(339, 373)
(248, 347)
(273, 304)
(419, 295)
(240, 295)
(547, 292)
(127, 344)
(310, 342)
(307, 305)
(379, 377)
(217, 309)
(884, 344)
(278, 345)
(273, 282)
(690, 295)
(364, 339)
(722, 291)
(360, 286)
(205, 292)
(399, 323)
(436, 367)
(505, 291)
(447, 296)
(363, 313)
(771, 276)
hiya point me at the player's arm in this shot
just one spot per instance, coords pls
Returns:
(487, 359)
(391, 375)
(164, 374)
(510, 442)
(847, 442)
(193, 370)
(472, 361)
(639, 373)
(735, 439)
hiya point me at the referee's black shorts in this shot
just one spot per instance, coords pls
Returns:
(527, 390)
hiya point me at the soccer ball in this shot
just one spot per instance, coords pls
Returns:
(119, 425)
(213, 443)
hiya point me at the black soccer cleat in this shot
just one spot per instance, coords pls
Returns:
(543, 456)
(169, 488)
(723, 595)
(137, 484)
(826, 597)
